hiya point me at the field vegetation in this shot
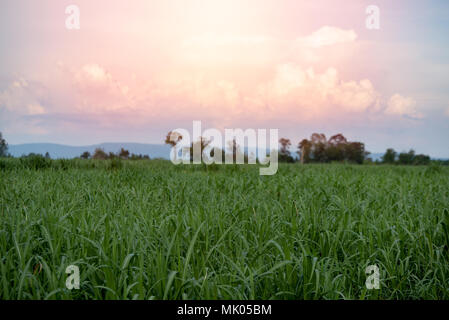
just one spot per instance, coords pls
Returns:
(147, 229)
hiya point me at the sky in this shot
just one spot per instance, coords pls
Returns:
(135, 70)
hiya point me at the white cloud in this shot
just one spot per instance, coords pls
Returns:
(292, 92)
(94, 73)
(34, 109)
(402, 106)
(22, 98)
(318, 93)
(19, 102)
(99, 90)
(327, 36)
(447, 112)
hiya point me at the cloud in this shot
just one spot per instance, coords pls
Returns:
(327, 36)
(98, 90)
(447, 112)
(286, 86)
(402, 106)
(20, 101)
(94, 73)
(314, 94)
(22, 97)
(34, 109)
(291, 92)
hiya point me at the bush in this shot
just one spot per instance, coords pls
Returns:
(115, 164)
(434, 168)
(3, 164)
(63, 164)
(35, 162)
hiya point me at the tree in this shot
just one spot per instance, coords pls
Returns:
(47, 155)
(216, 150)
(3, 147)
(202, 143)
(85, 155)
(99, 154)
(319, 146)
(236, 152)
(337, 139)
(355, 152)
(284, 152)
(285, 144)
(389, 156)
(406, 157)
(304, 147)
(123, 154)
(173, 138)
(139, 157)
(421, 159)
(336, 148)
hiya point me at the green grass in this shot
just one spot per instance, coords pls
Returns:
(152, 230)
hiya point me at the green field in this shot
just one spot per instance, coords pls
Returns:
(152, 230)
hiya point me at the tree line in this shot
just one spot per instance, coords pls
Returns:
(406, 158)
(123, 154)
(317, 149)
(339, 149)
(321, 150)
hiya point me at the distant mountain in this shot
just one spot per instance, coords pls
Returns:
(58, 151)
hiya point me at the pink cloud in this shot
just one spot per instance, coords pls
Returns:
(327, 36)
(292, 86)
(313, 94)
(402, 106)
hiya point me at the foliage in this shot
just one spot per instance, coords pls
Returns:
(336, 149)
(100, 154)
(173, 138)
(85, 155)
(284, 152)
(123, 154)
(151, 230)
(115, 163)
(405, 158)
(35, 162)
(389, 156)
(3, 147)
(139, 157)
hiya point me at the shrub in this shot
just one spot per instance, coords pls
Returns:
(115, 164)
(35, 162)
(63, 164)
